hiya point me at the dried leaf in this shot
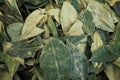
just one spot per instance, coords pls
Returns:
(29, 28)
(76, 29)
(68, 16)
(97, 42)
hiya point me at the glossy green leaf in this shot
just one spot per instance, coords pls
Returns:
(55, 60)
(106, 53)
(79, 63)
(86, 18)
(14, 31)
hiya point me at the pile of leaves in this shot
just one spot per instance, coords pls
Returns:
(59, 39)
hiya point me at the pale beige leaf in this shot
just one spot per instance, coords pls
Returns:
(97, 41)
(76, 29)
(117, 62)
(112, 72)
(68, 16)
(29, 28)
(55, 13)
(35, 31)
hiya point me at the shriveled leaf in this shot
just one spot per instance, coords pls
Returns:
(52, 27)
(112, 72)
(103, 16)
(86, 18)
(59, 2)
(79, 63)
(12, 64)
(68, 16)
(38, 73)
(97, 42)
(25, 49)
(55, 60)
(1, 36)
(106, 53)
(76, 29)
(5, 75)
(14, 31)
(55, 13)
(117, 62)
(29, 28)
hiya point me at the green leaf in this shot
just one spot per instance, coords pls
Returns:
(86, 18)
(1, 36)
(103, 17)
(14, 31)
(30, 28)
(13, 9)
(117, 34)
(68, 16)
(52, 27)
(76, 5)
(79, 63)
(25, 49)
(106, 53)
(55, 60)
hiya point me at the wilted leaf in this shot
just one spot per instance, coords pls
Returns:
(97, 42)
(5, 75)
(106, 53)
(14, 31)
(29, 28)
(117, 62)
(86, 18)
(103, 17)
(55, 60)
(112, 72)
(12, 64)
(55, 13)
(25, 49)
(68, 16)
(76, 29)
(1, 36)
(38, 73)
(79, 63)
